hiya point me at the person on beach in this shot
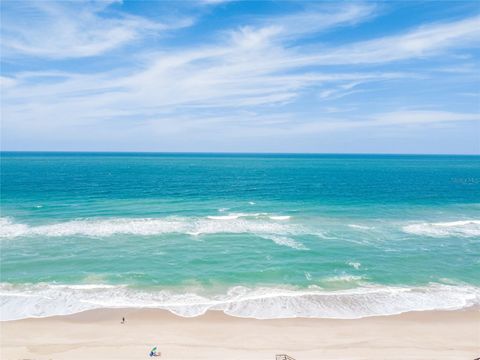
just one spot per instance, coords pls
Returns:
(123, 320)
(154, 352)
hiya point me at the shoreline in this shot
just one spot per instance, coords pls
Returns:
(45, 300)
(127, 310)
(98, 333)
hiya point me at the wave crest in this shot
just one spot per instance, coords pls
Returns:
(229, 224)
(41, 300)
(466, 228)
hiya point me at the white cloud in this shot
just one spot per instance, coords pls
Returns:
(320, 18)
(209, 87)
(426, 41)
(59, 30)
(6, 82)
(251, 68)
(422, 117)
(396, 119)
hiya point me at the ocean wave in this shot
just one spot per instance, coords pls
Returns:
(42, 300)
(279, 217)
(344, 278)
(223, 217)
(247, 215)
(228, 224)
(354, 264)
(464, 228)
(360, 227)
(261, 215)
(285, 241)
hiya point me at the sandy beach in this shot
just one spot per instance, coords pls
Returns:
(98, 334)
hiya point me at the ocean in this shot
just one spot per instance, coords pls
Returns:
(252, 235)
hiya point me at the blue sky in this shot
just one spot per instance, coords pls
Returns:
(238, 76)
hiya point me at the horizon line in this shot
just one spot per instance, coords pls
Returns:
(231, 153)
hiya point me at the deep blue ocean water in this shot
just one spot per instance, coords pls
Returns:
(254, 235)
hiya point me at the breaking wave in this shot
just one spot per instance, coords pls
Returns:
(42, 300)
(148, 226)
(228, 224)
(466, 228)
(285, 241)
(360, 227)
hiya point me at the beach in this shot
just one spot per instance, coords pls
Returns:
(250, 180)
(99, 334)
(220, 256)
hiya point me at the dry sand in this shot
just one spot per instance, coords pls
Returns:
(98, 334)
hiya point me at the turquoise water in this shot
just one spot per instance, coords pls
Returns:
(252, 235)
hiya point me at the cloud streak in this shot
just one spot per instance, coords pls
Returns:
(254, 76)
(423, 42)
(59, 30)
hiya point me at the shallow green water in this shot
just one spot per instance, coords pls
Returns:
(188, 229)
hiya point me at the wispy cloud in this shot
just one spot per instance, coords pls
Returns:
(247, 69)
(246, 78)
(320, 18)
(61, 30)
(396, 119)
(423, 42)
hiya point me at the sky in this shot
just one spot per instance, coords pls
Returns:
(241, 76)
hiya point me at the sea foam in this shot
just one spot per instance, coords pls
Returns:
(464, 228)
(285, 241)
(361, 227)
(228, 224)
(41, 300)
